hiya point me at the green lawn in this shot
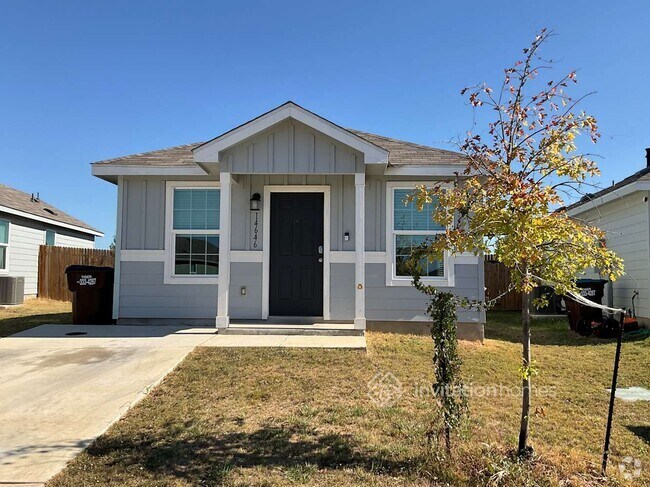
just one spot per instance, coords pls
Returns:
(33, 312)
(303, 416)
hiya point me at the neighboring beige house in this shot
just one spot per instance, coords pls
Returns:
(286, 217)
(26, 222)
(623, 212)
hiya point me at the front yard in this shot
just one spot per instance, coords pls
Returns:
(34, 312)
(296, 416)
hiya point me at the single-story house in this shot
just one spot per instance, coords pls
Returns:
(623, 212)
(27, 222)
(286, 215)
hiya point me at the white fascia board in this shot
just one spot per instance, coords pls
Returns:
(101, 170)
(614, 195)
(209, 152)
(49, 221)
(450, 170)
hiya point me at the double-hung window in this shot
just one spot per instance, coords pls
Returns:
(407, 229)
(193, 233)
(4, 244)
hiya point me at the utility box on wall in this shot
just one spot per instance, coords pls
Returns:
(12, 290)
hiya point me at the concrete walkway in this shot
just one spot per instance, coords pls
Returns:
(58, 392)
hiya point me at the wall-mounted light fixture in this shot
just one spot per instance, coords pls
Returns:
(255, 202)
(346, 236)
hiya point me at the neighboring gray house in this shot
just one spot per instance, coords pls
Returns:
(26, 222)
(623, 212)
(267, 222)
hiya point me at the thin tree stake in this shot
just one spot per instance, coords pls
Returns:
(610, 415)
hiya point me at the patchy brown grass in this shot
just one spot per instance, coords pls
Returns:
(292, 416)
(33, 312)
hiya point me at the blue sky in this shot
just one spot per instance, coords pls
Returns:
(86, 80)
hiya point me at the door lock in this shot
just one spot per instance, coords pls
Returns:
(320, 250)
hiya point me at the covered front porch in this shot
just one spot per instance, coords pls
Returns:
(293, 260)
(292, 221)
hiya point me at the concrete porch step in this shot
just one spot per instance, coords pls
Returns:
(318, 329)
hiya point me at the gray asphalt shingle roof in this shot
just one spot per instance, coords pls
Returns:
(401, 153)
(18, 200)
(643, 175)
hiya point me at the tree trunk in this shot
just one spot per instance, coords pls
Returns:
(525, 384)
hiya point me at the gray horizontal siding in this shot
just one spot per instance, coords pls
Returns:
(25, 238)
(342, 291)
(24, 242)
(69, 240)
(405, 303)
(248, 275)
(143, 294)
(626, 223)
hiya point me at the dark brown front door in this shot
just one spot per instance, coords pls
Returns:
(296, 267)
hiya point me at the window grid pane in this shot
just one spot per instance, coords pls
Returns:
(196, 254)
(407, 216)
(404, 246)
(196, 209)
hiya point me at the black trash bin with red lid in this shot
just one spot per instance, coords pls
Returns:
(92, 294)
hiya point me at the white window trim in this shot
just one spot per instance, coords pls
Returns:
(449, 279)
(169, 276)
(7, 252)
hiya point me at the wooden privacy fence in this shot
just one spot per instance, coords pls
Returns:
(53, 261)
(497, 280)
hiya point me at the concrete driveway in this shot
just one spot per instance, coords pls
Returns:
(59, 392)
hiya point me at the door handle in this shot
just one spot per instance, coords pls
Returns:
(320, 259)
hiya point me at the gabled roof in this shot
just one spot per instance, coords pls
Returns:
(642, 176)
(17, 202)
(207, 154)
(400, 153)
(200, 158)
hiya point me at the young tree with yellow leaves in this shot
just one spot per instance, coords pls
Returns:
(508, 200)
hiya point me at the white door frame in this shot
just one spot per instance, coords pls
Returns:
(266, 242)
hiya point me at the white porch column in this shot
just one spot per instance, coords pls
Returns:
(360, 252)
(223, 317)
